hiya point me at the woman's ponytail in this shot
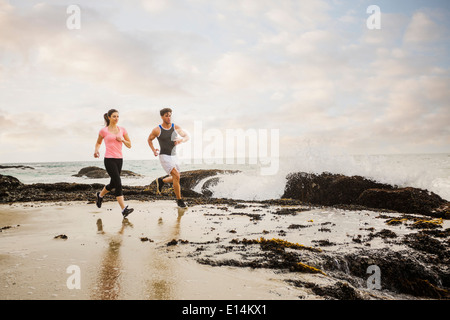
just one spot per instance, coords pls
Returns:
(105, 116)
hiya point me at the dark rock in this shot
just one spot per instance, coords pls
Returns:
(340, 290)
(9, 183)
(403, 271)
(423, 242)
(15, 167)
(62, 187)
(253, 216)
(384, 234)
(420, 270)
(92, 172)
(327, 189)
(172, 243)
(8, 227)
(12, 190)
(407, 200)
(99, 173)
(208, 184)
(288, 211)
(189, 179)
(8, 186)
(335, 189)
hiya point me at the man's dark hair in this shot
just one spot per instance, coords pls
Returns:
(164, 111)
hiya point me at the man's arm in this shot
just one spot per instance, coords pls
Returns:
(182, 133)
(151, 137)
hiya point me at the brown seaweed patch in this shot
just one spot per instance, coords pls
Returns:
(275, 244)
(308, 269)
(428, 224)
(395, 221)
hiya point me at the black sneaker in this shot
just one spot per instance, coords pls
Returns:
(159, 185)
(99, 200)
(181, 203)
(126, 211)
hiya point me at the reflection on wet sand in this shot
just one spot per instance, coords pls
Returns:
(160, 279)
(108, 283)
(162, 283)
(181, 212)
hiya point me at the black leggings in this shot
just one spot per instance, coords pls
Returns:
(114, 167)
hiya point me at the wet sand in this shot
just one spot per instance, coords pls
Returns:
(114, 262)
(155, 252)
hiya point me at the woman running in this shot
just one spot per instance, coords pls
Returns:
(114, 136)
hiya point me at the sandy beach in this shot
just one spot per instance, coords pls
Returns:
(202, 252)
(115, 260)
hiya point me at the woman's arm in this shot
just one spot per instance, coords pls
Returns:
(97, 146)
(126, 140)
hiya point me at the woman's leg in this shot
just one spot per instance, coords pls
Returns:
(114, 167)
(103, 192)
(121, 201)
(119, 191)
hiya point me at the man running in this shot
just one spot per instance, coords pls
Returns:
(168, 138)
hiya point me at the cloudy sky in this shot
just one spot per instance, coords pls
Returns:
(311, 69)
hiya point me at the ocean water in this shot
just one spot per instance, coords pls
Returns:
(425, 171)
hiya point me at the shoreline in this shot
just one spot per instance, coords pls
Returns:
(197, 186)
(221, 250)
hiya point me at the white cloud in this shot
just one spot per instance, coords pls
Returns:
(391, 32)
(422, 29)
(98, 53)
(298, 15)
(156, 6)
(291, 65)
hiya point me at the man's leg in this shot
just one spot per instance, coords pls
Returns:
(168, 179)
(175, 177)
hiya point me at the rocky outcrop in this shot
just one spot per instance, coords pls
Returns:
(19, 166)
(335, 189)
(12, 190)
(408, 200)
(408, 272)
(99, 173)
(8, 185)
(325, 189)
(417, 265)
(420, 269)
(206, 187)
(190, 179)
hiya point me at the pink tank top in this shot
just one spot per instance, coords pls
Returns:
(113, 147)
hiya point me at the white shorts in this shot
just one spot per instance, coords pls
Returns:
(169, 162)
